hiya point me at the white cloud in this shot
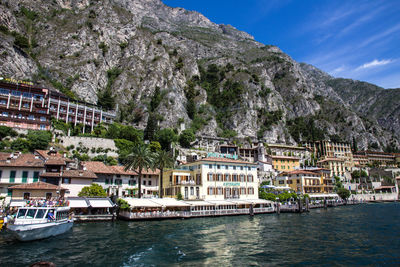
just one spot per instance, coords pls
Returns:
(375, 63)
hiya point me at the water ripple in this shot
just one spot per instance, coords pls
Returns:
(362, 235)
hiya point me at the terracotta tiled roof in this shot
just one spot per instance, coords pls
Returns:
(55, 161)
(97, 167)
(37, 186)
(149, 172)
(121, 170)
(21, 160)
(79, 174)
(212, 159)
(47, 153)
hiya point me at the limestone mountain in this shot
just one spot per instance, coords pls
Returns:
(153, 63)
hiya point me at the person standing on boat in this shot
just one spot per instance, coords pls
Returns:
(50, 215)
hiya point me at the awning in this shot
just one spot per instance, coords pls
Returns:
(101, 203)
(142, 203)
(259, 201)
(17, 203)
(170, 202)
(77, 203)
(323, 195)
(221, 202)
(239, 201)
(199, 203)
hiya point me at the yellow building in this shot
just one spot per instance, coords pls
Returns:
(285, 163)
(335, 165)
(212, 179)
(314, 181)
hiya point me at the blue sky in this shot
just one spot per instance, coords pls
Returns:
(351, 39)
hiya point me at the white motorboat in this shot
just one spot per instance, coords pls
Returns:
(33, 223)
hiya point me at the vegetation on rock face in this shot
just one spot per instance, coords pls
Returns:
(105, 97)
(247, 88)
(304, 129)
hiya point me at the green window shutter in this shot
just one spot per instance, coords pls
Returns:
(12, 176)
(9, 192)
(106, 181)
(35, 176)
(24, 176)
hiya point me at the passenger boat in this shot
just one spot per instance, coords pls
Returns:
(31, 223)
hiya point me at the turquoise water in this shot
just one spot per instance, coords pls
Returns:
(367, 234)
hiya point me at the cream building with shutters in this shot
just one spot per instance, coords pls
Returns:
(212, 179)
(17, 168)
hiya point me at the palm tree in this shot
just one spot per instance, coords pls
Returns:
(141, 158)
(163, 160)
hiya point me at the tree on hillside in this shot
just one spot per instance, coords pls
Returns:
(163, 160)
(7, 131)
(151, 127)
(166, 137)
(94, 190)
(186, 137)
(140, 158)
(39, 139)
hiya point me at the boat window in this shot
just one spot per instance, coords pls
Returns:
(31, 214)
(40, 214)
(21, 213)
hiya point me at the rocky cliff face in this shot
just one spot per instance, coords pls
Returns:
(218, 80)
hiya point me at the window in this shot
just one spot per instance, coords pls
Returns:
(242, 178)
(24, 176)
(241, 168)
(106, 181)
(210, 166)
(281, 182)
(144, 182)
(31, 117)
(234, 167)
(48, 196)
(30, 214)
(27, 195)
(192, 191)
(40, 214)
(66, 180)
(149, 182)
(210, 177)
(1, 173)
(42, 118)
(12, 176)
(234, 177)
(21, 213)
(5, 114)
(35, 176)
(218, 167)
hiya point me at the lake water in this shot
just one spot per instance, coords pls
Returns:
(367, 234)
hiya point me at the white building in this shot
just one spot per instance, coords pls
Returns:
(213, 179)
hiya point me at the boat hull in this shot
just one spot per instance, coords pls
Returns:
(39, 231)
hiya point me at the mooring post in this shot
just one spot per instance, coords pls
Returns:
(300, 205)
(307, 204)
(325, 203)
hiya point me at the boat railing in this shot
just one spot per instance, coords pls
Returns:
(46, 203)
